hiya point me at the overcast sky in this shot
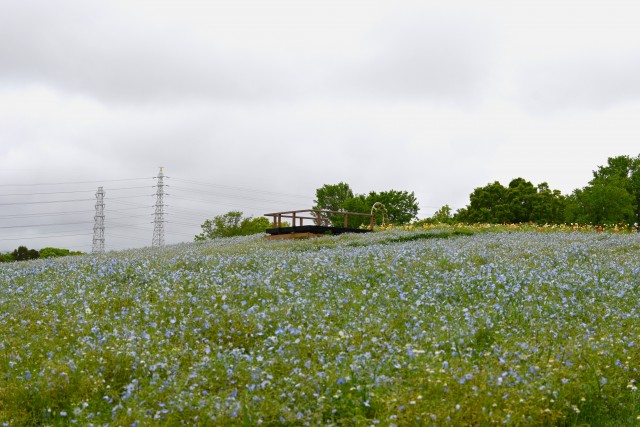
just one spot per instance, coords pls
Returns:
(252, 105)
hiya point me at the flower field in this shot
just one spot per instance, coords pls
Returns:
(422, 327)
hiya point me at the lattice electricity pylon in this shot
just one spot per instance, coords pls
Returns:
(158, 220)
(98, 224)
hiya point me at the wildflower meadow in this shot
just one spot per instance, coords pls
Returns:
(398, 327)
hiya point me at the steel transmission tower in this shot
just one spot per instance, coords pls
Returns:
(158, 220)
(98, 225)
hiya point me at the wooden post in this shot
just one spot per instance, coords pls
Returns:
(373, 222)
(293, 220)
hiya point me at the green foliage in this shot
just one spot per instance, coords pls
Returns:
(8, 257)
(333, 198)
(441, 216)
(254, 225)
(401, 206)
(487, 205)
(612, 196)
(232, 224)
(520, 202)
(602, 202)
(623, 171)
(359, 203)
(445, 234)
(56, 252)
(549, 207)
(23, 254)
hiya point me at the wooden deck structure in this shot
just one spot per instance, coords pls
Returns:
(321, 225)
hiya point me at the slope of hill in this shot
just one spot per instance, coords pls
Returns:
(395, 327)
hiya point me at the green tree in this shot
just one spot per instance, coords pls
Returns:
(488, 204)
(402, 206)
(520, 202)
(549, 206)
(442, 216)
(333, 198)
(23, 254)
(521, 199)
(250, 225)
(361, 204)
(56, 252)
(622, 172)
(612, 196)
(604, 201)
(6, 257)
(231, 224)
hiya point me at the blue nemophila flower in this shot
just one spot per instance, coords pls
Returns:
(287, 319)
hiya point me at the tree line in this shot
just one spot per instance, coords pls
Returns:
(611, 197)
(22, 253)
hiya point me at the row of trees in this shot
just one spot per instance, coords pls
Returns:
(611, 197)
(22, 253)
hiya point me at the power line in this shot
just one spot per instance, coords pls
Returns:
(137, 239)
(73, 182)
(68, 192)
(127, 208)
(233, 196)
(45, 225)
(123, 209)
(138, 225)
(278, 204)
(114, 225)
(44, 202)
(132, 204)
(45, 236)
(66, 201)
(208, 184)
(43, 214)
(129, 216)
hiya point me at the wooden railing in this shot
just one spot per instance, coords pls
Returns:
(318, 216)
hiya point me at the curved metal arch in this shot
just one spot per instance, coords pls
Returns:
(379, 207)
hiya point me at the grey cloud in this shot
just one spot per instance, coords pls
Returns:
(593, 82)
(84, 47)
(431, 54)
(104, 51)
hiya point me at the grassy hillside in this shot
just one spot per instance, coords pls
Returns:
(391, 328)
